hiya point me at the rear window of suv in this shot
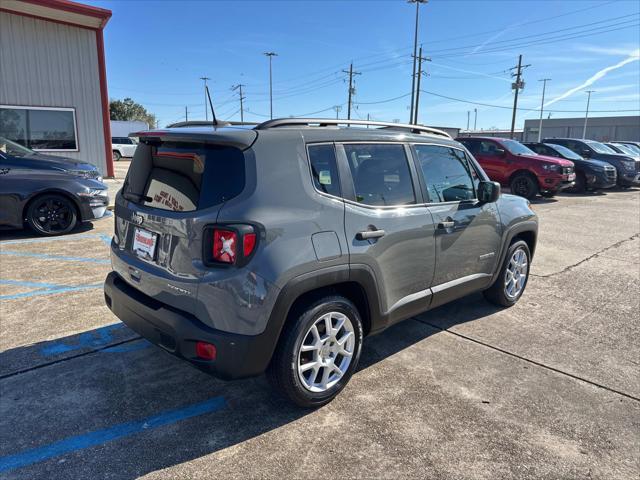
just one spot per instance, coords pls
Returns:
(183, 177)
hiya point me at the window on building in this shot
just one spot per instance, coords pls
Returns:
(40, 128)
(380, 174)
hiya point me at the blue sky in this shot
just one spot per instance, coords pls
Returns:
(157, 50)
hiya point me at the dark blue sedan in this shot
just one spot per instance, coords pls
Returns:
(52, 195)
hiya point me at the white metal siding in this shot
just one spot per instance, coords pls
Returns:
(52, 65)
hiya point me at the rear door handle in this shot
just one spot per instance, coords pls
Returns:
(446, 224)
(366, 235)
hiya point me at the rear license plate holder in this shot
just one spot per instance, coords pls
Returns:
(144, 243)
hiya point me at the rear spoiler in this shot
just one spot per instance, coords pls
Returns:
(238, 138)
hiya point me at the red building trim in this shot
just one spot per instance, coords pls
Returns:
(74, 7)
(106, 119)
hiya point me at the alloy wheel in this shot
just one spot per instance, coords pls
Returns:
(326, 351)
(53, 215)
(516, 274)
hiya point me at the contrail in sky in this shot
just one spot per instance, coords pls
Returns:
(633, 57)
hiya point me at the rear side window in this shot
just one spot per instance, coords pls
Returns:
(380, 174)
(183, 176)
(447, 173)
(324, 170)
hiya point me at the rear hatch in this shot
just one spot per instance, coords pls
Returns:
(176, 185)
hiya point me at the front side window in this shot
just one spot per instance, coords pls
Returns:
(488, 148)
(40, 128)
(517, 148)
(324, 170)
(600, 147)
(447, 173)
(380, 174)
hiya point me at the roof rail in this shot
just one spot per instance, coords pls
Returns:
(325, 122)
(208, 123)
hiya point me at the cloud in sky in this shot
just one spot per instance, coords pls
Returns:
(633, 57)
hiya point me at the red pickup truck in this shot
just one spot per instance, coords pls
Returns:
(521, 169)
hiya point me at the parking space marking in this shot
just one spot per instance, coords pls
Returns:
(52, 290)
(46, 256)
(98, 437)
(95, 339)
(20, 283)
(67, 238)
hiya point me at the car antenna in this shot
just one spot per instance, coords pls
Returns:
(213, 113)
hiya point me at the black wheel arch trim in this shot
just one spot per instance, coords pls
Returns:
(54, 191)
(527, 226)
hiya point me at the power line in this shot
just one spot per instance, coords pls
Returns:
(520, 108)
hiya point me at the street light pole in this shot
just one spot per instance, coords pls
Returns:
(270, 55)
(586, 114)
(206, 111)
(475, 119)
(544, 87)
(415, 51)
(468, 116)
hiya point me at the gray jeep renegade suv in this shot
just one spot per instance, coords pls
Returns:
(279, 247)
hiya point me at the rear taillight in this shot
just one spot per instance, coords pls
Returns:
(248, 244)
(229, 244)
(225, 244)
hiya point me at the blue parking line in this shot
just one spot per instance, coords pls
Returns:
(94, 339)
(79, 236)
(105, 238)
(128, 347)
(46, 256)
(98, 437)
(50, 291)
(20, 283)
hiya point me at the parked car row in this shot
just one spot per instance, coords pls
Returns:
(556, 164)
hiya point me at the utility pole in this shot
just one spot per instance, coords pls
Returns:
(468, 117)
(475, 118)
(337, 108)
(417, 107)
(351, 89)
(415, 51)
(544, 87)
(270, 55)
(517, 86)
(239, 88)
(586, 114)
(186, 113)
(206, 114)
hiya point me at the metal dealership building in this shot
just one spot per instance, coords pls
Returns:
(53, 84)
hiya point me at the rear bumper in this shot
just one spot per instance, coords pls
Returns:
(177, 332)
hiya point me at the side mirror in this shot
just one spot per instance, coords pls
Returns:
(586, 153)
(488, 192)
(500, 152)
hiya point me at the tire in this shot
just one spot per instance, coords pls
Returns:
(498, 293)
(115, 155)
(581, 184)
(524, 185)
(286, 371)
(52, 214)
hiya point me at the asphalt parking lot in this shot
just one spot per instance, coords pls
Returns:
(547, 389)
